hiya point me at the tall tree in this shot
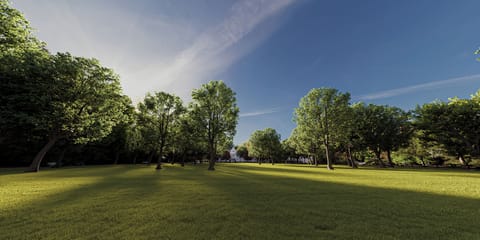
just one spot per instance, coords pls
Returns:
(24, 65)
(159, 112)
(215, 112)
(321, 117)
(82, 102)
(265, 144)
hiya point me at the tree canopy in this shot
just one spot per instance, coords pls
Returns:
(83, 102)
(265, 145)
(215, 111)
(321, 118)
(158, 113)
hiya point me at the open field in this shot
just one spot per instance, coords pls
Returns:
(239, 201)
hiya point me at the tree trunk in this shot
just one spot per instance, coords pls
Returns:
(183, 159)
(423, 161)
(379, 159)
(135, 159)
(327, 142)
(211, 162)
(35, 166)
(389, 157)
(259, 161)
(349, 163)
(159, 160)
(327, 154)
(350, 158)
(315, 160)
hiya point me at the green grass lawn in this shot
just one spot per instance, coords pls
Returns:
(239, 201)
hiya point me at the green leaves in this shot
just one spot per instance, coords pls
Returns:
(87, 100)
(265, 144)
(381, 128)
(322, 117)
(215, 112)
(158, 113)
(454, 124)
(15, 33)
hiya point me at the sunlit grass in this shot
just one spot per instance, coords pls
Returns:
(239, 201)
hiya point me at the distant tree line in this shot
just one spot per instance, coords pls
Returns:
(329, 129)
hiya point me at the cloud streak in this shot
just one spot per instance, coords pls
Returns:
(260, 112)
(211, 52)
(416, 88)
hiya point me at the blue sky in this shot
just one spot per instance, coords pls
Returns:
(272, 52)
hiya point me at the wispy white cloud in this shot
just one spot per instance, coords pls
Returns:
(154, 52)
(260, 112)
(211, 52)
(416, 88)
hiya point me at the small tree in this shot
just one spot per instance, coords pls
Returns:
(265, 144)
(158, 113)
(242, 151)
(288, 150)
(133, 140)
(321, 117)
(215, 113)
(186, 139)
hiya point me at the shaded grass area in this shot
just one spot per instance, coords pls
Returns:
(239, 201)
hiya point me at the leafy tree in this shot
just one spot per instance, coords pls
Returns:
(348, 140)
(417, 148)
(83, 102)
(186, 139)
(321, 117)
(159, 112)
(304, 144)
(455, 125)
(288, 149)
(265, 144)
(382, 128)
(215, 112)
(133, 141)
(25, 80)
(242, 151)
(117, 140)
(15, 32)
(24, 66)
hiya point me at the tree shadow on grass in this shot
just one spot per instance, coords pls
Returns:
(234, 203)
(293, 208)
